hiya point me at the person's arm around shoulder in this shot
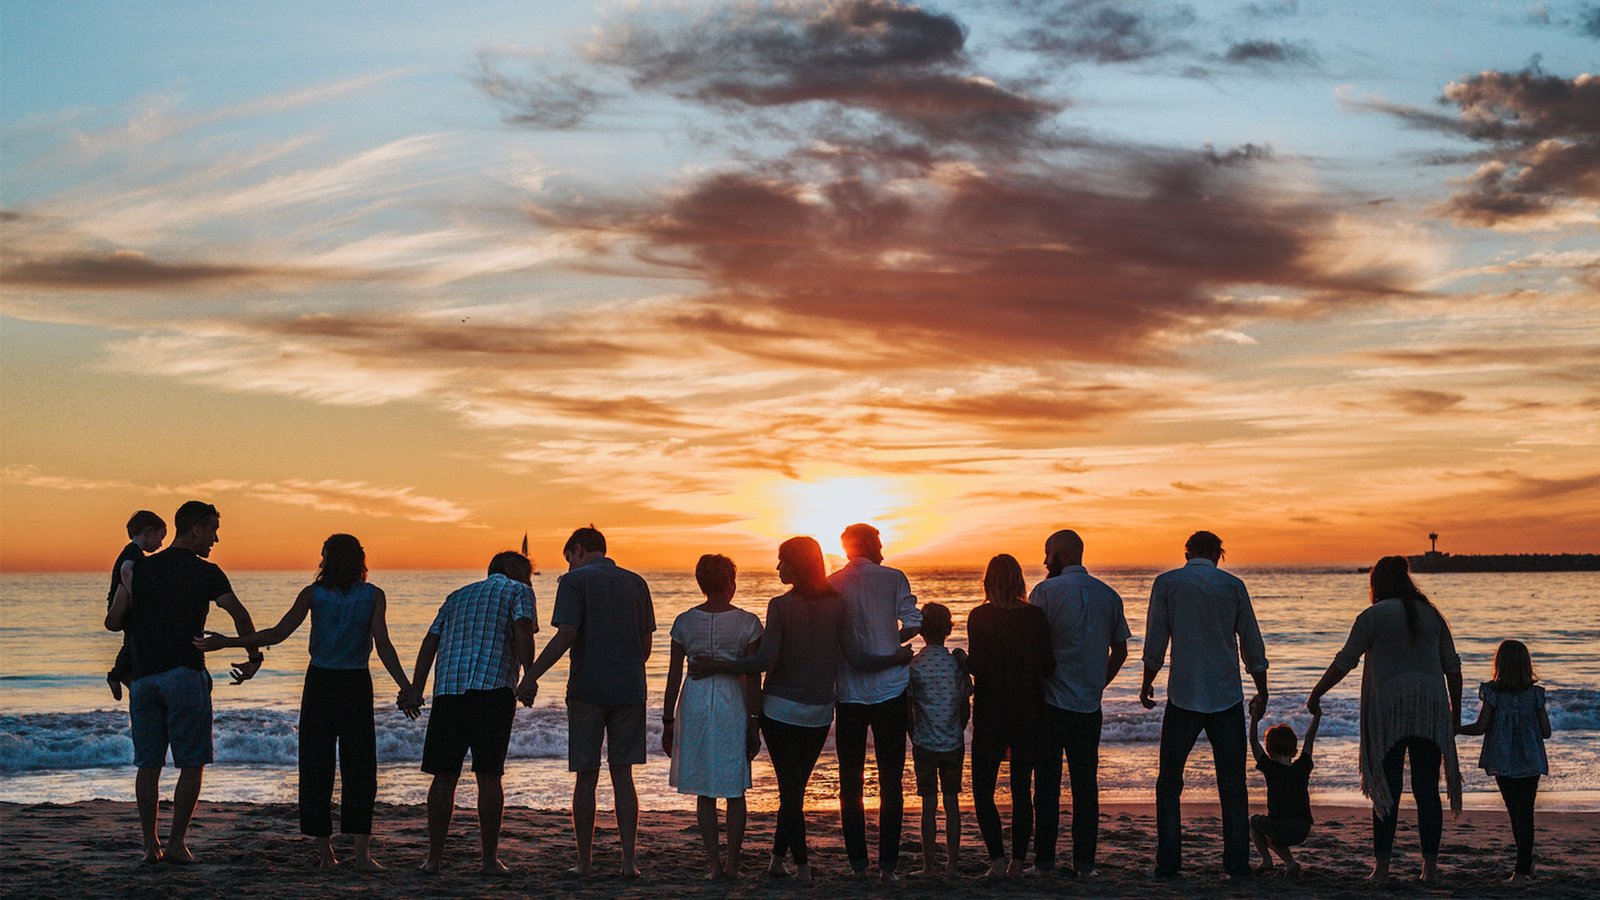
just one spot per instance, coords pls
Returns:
(762, 659)
(242, 671)
(752, 703)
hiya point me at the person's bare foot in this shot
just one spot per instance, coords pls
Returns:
(951, 871)
(1265, 868)
(802, 872)
(775, 869)
(179, 855)
(495, 867)
(997, 870)
(152, 856)
(430, 866)
(630, 869)
(115, 685)
(889, 877)
(322, 853)
(367, 864)
(1380, 873)
(580, 870)
(1519, 878)
(1292, 870)
(1430, 871)
(1015, 869)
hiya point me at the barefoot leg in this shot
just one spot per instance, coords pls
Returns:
(626, 798)
(147, 790)
(441, 805)
(491, 809)
(364, 860)
(583, 820)
(322, 849)
(184, 798)
(736, 823)
(705, 814)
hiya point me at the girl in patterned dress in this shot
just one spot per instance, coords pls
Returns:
(1514, 725)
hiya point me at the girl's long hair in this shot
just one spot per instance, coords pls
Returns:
(344, 563)
(1391, 578)
(1002, 581)
(1513, 667)
(810, 571)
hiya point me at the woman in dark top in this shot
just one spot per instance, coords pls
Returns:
(1009, 648)
(347, 622)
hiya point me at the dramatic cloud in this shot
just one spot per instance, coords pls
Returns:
(1119, 263)
(1542, 134)
(130, 270)
(886, 58)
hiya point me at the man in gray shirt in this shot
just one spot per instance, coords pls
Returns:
(1089, 634)
(604, 614)
(1206, 615)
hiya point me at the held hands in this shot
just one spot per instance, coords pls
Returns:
(1314, 706)
(213, 640)
(1258, 707)
(527, 690)
(409, 700)
(244, 671)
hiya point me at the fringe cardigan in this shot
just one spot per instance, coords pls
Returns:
(1403, 692)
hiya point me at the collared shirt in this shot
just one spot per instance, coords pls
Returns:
(939, 683)
(476, 649)
(1086, 618)
(1206, 614)
(611, 610)
(875, 598)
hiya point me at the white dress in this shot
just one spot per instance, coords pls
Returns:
(708, 739)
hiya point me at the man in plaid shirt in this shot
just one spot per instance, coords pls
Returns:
(481, 636)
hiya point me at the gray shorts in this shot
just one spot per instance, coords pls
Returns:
(621, 727)
(171, 708)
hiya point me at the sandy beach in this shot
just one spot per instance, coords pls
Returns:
(92, 849)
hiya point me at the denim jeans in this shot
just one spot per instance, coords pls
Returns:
(1180, 728)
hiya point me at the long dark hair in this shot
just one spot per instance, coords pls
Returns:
(1391, 578)
(1002, 582)
(344, 563)
(804, 557)
(1513, 667)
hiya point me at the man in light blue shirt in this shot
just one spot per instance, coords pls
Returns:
(1089, 634)
(1206, 615)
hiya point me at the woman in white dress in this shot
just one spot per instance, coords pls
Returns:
(715, 731)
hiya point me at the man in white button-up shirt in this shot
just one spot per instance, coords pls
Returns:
(1206, 615)
(1089, 634)
(876, 598)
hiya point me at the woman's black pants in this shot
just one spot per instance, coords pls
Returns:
(336, 722)
(793, 750)
(985, 775)
(1425, 761)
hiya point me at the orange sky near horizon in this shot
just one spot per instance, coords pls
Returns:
(1318, 277)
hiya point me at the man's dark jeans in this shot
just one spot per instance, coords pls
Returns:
(1225, 730)
(888, 721)
(1077, 735)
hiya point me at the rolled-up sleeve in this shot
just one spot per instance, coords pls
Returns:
(1157, 629)
(1355, 645)
(1252, 649)
(905, 605)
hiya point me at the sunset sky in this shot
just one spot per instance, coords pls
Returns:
(1318, 276)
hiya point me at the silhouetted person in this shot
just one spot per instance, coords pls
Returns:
(1089, 634)
(603, 613)
(1410, 706)
(348, 620)
(146, 533)
(1008, 646)
(163, 609)
(481, 636)
(876, 598)
(1206, 615)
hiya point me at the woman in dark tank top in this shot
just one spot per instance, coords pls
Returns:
(336, 718)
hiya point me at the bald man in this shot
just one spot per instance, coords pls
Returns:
(1089, 634)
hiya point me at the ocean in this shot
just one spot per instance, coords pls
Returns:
(63, 738)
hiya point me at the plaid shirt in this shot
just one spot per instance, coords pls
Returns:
(476, 652)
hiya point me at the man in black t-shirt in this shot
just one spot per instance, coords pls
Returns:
(163, 608)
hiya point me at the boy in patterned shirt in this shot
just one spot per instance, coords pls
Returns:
(940, 697)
